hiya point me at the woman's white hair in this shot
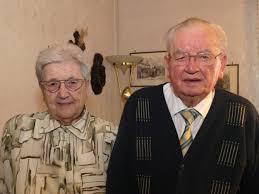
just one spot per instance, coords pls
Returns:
(59, 54)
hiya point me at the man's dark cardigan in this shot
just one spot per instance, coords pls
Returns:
(223, 158)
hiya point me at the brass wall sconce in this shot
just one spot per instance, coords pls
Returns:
(124, 62)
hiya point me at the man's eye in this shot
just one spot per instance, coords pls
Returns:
(181, 58)
(204, 57)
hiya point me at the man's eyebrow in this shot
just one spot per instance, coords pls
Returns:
(205, 51)
(179, 52)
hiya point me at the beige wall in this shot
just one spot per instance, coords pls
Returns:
(30, 26)
(143, 24)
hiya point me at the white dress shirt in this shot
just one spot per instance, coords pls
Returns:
(175, 106)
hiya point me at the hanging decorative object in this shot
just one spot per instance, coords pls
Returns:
(79, 38)
(98, 77)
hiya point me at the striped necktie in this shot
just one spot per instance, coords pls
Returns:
(189, 116)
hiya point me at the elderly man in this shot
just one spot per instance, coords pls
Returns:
(185, 137)
(64, 150)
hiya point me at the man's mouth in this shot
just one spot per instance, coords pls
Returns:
(64, 103)
(192, 80)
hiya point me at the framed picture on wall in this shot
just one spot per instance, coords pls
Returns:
(230, 81)
(150, 71)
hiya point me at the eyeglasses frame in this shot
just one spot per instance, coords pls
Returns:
(194, 56)
(43, 84)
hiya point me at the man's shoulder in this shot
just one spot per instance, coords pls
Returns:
(144, 98)
(233, 100)
(231, 97)
(150, 92)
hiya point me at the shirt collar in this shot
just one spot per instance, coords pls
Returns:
(204, 105)
(176, 105)
(78, 128)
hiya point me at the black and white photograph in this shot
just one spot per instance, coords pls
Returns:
(150, 71)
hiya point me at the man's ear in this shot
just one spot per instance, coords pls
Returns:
(224, 62)
(167, 61)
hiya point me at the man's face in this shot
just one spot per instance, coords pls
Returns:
(194, 79)
(64, 105)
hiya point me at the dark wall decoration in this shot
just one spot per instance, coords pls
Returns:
(98, 76)
(79, 38)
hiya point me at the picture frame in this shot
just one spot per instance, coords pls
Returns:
(230, 81)
(150, 71)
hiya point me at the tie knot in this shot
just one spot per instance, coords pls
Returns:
(189, 115)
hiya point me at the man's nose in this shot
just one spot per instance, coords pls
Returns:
(193, 64)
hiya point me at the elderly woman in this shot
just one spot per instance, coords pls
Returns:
(62, 150)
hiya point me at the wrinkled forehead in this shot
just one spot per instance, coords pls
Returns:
(195, 37)
(62, 70)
